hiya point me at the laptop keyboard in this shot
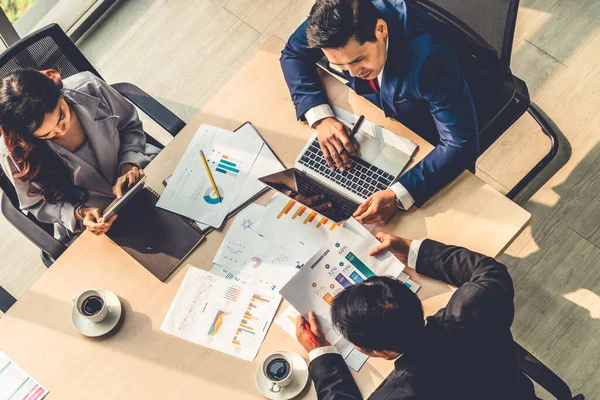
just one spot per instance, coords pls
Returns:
(343, 208)
(363, 178)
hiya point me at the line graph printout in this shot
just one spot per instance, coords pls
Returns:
(223, 314)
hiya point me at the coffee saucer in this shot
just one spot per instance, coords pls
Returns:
(294, 388)
(95, 329)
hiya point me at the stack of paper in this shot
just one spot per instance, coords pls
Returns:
(236, 160)
(340, 263)
(16, 384)
(223, 314)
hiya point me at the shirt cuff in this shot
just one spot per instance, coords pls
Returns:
(402, 194)
(67, 216)
(319, 351)
(413, 253)
(318, 113)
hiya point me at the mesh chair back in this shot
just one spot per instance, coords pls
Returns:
(488, 23)
(47, 48)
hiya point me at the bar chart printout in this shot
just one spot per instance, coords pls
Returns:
(223, 314)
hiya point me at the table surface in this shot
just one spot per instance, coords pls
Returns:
(138, 360)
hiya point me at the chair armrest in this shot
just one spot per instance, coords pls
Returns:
(6, 300)
(32, 231)
(155, 110)
(542, 375)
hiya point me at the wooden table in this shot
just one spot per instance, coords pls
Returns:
(139, 361)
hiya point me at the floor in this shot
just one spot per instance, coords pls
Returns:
(183, 51)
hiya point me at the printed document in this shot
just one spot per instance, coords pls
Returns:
(16, 384)
(340, 263)
(222, 314)
(246, 251)
(230, 158)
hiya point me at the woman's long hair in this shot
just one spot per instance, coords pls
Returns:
(26, 96)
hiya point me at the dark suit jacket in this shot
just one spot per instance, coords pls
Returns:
(467, 351)
(421, 71)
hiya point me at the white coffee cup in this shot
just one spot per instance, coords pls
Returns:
(91, 305)
(279, 371)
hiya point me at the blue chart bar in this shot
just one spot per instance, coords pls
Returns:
(356, 277)
(343, 281)
(231, 164)
(227, 167)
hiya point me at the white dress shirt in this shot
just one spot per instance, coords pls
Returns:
(323, 111)
(412, 263)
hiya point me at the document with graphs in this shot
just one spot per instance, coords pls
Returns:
(340, 263)
(230, 158)
(230, 316)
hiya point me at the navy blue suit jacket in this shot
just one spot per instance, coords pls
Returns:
(422, 68)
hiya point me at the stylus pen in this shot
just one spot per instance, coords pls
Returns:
(212, 180)
(311, 335)
(357, 125)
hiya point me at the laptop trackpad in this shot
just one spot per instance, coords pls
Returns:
(382, 155)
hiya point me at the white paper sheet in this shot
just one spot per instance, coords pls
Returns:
(230, 158)
(222, 314)
(246, 251)
(401, 143)
(340, 263)
(16, 384)
(294, 227)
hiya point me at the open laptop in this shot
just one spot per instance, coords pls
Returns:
(375, 168)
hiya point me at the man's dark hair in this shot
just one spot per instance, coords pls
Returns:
(380, 313)
(332, 23)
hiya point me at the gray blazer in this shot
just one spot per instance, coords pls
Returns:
(115, 134)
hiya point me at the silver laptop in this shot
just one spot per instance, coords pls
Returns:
(376, 167)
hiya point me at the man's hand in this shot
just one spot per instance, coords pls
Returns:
(335, 143)
(379, 208)
(316, 202)
(397, 246)
(130, 175)
(95, 223)
(303, 336)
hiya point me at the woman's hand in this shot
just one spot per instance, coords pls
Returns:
(130, 175)
(94, 222)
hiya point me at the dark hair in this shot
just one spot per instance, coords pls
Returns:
(26, 96)
(380, 313)
(332, 23)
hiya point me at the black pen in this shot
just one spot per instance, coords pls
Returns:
(357, 125)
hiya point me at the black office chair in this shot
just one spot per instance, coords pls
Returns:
(6, 300)
(50, 48)
(538, 372)
(484, 31)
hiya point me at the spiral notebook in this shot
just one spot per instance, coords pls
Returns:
(158, 239)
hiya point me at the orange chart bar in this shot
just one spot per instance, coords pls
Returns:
(333, 226)
(310, 217)
(287, 208)
(323, 221)
(328, 298)
(299, 212)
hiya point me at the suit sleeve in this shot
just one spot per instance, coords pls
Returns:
(485, 289)
(439, 80)
(332, 378)
(298, 62)
(129, 126)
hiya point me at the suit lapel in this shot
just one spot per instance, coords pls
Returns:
(391, 81)
(100, 129)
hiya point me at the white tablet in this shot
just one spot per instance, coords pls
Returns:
(117, 204)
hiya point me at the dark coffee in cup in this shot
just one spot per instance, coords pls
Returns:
(92, 306)
(278, 369)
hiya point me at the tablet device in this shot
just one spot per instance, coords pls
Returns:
(117, 204)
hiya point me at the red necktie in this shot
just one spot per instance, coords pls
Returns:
(374, 85)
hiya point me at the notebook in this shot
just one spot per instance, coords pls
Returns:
(158, 239)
